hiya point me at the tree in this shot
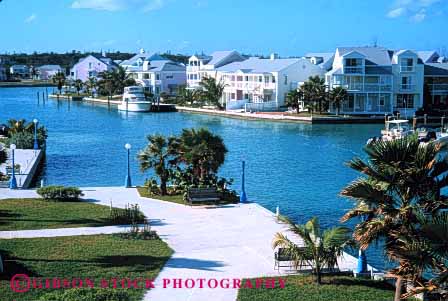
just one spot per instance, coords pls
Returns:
(91, 84)
(212, 91)
(401, 181)
(314, 93)
(121, 79)
(187, 96)
(293, 99)
(321, 248)
(21, 133)
(59, 80)
(78, 85)
(203, 150)
(337, 96)
(159, 154)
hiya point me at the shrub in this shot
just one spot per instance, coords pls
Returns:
(60, 193)
(25, 140)
(87, 295)
(129, 216)
(139, 233)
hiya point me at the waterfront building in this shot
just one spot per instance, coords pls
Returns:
(155, 73)
(46, 72)
(203, 65)
(258, 84)
(91, 66)
(3, 75)
(436, 85)
(19, 71)
(378, 80)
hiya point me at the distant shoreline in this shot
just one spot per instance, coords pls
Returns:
(25, 84)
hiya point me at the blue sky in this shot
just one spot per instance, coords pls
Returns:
(288, 27)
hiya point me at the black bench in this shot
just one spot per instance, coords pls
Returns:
(200, 195)
(282, 255)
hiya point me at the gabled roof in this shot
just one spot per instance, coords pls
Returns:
(219, 56)
(19, 66)
(436, 69)
(104, 60)
(374, 55)
(258, 65)
(49, 67)
(428, 56)
(165, 65)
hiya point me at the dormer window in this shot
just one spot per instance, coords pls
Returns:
(407, 65)
(353, 65)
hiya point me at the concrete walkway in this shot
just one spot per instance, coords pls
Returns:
(213, 243)
(63, 232)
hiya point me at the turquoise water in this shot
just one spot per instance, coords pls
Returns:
(298, 167)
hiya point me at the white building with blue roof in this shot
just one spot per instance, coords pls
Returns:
(258, 84)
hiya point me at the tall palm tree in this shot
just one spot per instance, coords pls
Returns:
(321, 247)
(401, 180)
(293, 98)
(187, 96)
(158, 155)
(59, 80)
(337, 96)
(121, 79)
(212, 91)
(78, 85)
(203, 150)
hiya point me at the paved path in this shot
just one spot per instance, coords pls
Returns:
(212, 243)
(63, 232)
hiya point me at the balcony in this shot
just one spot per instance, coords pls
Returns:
(353, 69)
(377, 87)
(407, 87)
(438, 87)
(406, 68)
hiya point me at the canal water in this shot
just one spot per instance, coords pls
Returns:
(298, 167)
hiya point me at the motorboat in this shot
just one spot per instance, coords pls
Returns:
(399, 128)
(134, 100)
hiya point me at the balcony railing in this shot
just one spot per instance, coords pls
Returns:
(353, 69)
(250, 85)
(438, 87)
(365, 87)
(407, 87)
(406, 68)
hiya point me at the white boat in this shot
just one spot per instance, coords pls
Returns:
(399, 128)
(134, 100)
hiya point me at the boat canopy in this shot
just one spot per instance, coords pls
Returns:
(398, 121)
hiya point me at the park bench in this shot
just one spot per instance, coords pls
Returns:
(282, 256)
(200, 195)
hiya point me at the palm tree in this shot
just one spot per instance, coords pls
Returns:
(91, 84)
(321, 247)
(337, 96)
(159, 154)
(59, 80)
(212, 91)
(121, 79)
(106, 82)
(187, 96)
(203, 150)
(401, 180)
(293, 98)
(78, 85)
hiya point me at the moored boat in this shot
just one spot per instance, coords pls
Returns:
(134, 100)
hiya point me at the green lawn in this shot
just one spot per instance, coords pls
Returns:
(334, 288)
(178, 198)
(95, 257)
(28, 214)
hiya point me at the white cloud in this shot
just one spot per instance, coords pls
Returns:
(116, 5)
(420, 16)
(395, 13)
(415, 10)
(31, 18)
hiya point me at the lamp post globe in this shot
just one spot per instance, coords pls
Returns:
(13, 181)
(127, 182)
(36, 143)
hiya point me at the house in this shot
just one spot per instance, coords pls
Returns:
(3, 74)
(378, 80)
(46, 72)
(200, 66)
(138, 59)
(91, 66)
(321, 59)
(258, 84)
(156, 73)
(19, 71)
(436, 86)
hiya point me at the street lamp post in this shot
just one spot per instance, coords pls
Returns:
(243, 196)
(361, 268)
(127, 182)
(13, 182)
(36, 143)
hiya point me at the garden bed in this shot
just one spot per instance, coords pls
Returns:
(94, 257)
(31, 214)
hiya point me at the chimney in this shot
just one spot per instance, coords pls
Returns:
(142, 50)
(104, 53)
(274, 56)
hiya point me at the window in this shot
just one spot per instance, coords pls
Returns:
(246, 96)
(90, 65)
(157, 90)
(406, 64)
(246, 78)
(382, 100)
(405, 101)
(260, 79)
(169, 76)
(273, 79)
(406, 82)
(157, 76)
(145, 76)
(286, 79)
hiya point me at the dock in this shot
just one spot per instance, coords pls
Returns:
(29, 161)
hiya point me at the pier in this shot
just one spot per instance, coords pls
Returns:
(29, 161)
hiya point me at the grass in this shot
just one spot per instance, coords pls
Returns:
(29, 214)
(176, 198)
(334, 288)
(95, 257)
